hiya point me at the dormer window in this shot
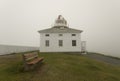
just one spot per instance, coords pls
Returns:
(73, 34)
(60, 34)
(47, 35)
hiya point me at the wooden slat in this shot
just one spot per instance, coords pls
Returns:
(35, 61)
(30, 56)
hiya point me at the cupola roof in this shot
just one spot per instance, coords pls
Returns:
(60, 21)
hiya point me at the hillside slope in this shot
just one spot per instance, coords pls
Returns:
(58, 67)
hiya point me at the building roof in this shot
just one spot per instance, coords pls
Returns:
(60, 30)
(60, 26)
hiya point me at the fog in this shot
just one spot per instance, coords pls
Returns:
(99, 19)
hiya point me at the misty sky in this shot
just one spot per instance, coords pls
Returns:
(99, 19)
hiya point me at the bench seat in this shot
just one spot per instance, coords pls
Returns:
(31, 60)
(35, 61)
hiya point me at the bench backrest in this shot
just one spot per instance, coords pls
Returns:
(30, 56)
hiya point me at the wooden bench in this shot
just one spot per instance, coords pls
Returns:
(31, 60)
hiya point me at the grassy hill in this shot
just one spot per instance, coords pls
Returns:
(58, 67)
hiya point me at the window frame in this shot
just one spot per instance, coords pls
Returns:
(74, 43)
(60, 43)
(47, 43)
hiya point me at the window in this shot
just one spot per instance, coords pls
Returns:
(60, 34)
(73, 34)
(46, 35)
(47, 43)
(73, 42)
(60, 42)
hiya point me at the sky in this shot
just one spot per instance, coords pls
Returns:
(99, 19)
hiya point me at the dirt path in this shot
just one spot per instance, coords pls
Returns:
(103, 58)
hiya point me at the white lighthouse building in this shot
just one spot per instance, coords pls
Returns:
(60, 38)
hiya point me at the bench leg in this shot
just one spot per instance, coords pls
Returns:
(26, 67)
(31, 67)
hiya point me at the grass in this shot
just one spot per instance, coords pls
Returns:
(58, 67)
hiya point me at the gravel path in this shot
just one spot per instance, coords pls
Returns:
(103, 58)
